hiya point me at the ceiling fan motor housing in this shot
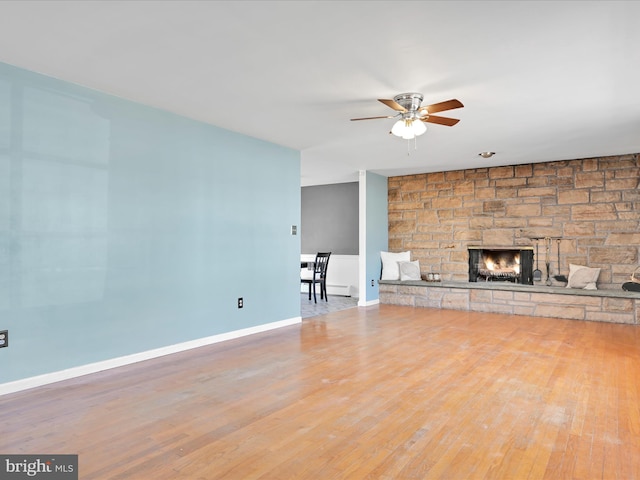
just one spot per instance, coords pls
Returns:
(410, 101)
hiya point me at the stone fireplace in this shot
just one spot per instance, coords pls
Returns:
(501, 264)
(592, 204)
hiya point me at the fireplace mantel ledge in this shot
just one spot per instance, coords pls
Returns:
(511, 287)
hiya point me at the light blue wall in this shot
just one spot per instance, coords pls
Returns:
(124, 228)
(377, 231)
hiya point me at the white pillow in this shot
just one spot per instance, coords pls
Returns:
(582, 277)
(390, 268)
(409, 270)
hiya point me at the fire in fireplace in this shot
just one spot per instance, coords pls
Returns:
(501, 264)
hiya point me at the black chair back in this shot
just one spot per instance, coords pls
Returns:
(321, 264)
(319, 276)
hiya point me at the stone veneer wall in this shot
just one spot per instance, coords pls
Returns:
(592, 204)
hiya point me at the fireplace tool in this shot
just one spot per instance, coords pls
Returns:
(537, 274)
(560, 278)
(547, 242)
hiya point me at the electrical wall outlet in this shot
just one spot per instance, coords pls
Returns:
(4, 338)
(240, 302)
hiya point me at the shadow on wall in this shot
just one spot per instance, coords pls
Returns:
(53, 199)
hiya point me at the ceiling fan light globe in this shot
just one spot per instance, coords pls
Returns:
(408, 134)
(419, 127)
(398, 128)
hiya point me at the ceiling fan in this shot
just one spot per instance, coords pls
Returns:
(413, 117)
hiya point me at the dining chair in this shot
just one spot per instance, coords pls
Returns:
(317, 274)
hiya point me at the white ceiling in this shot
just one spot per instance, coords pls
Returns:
(540, 80)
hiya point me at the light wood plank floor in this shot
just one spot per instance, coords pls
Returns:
(383, 392)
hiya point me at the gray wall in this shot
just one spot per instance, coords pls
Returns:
(330, 219)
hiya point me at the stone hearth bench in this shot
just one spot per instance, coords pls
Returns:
(504, 297)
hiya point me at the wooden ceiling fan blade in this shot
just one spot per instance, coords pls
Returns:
(372, 118)
(393, 104)
(449, 122)
(442, 106)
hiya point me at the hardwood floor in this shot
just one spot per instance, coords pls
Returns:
(383, 392)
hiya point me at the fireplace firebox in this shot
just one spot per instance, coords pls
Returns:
(501, 264)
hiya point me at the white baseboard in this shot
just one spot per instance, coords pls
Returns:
(40, 380)
(343, 290)
(362, 303)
